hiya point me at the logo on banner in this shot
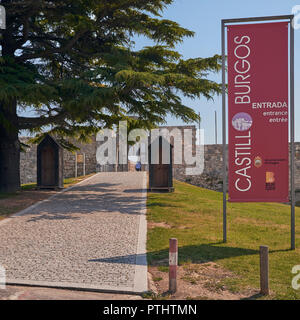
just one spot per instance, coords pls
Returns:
(242, 121)
(257, 162)
(270, 180)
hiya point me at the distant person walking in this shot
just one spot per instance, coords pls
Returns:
(138, 166)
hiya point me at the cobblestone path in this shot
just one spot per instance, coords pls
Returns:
(92, 236)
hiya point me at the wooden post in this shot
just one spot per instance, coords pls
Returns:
(173, 261)
(264, 269)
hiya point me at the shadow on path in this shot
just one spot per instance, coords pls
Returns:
(196, 254)
(89, 199)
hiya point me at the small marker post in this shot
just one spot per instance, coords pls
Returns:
(264, 269)
(173, 261)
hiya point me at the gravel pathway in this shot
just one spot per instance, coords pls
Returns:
(92, 236)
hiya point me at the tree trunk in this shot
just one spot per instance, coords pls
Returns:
(9, 149)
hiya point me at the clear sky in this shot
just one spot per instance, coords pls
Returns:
(204, 18)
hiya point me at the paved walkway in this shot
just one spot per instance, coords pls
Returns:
(92, 236)
(41, 293)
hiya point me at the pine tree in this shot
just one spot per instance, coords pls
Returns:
(73, 62)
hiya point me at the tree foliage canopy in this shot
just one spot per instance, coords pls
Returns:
(74, 63)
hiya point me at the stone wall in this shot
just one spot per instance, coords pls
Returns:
(297, 166)
(190, 145)
(28, 164)
(28, 161)
(210, 178)
(87, 150)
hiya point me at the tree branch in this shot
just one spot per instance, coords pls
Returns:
(48, 53)
(34, 122)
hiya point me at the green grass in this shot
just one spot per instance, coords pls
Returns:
(157, 279)
(28, 186)
(195, 215)
(163, 268)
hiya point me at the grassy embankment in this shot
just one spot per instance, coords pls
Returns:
(195, 217)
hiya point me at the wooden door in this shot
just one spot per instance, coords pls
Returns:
(48, 166)
(161, 175)
(161, 171)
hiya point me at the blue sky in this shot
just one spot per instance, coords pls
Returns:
(204, 18)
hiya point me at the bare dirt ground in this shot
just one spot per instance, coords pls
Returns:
(22, 200)
(196, 281)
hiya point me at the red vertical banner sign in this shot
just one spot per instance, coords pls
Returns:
(258, 88)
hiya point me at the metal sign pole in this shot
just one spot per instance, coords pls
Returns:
(199, 127)
(224, 135)
(292, 127)
(216, 128)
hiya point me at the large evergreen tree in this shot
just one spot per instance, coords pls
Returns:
(73, 62)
